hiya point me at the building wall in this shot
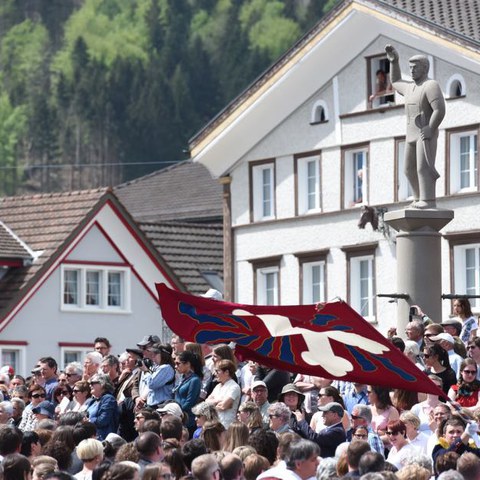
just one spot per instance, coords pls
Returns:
(336, 227)
(44, 324)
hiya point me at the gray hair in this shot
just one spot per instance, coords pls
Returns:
(7, 407)
(327, 468)
(104, 381)
(94, 357)
(364, 411)
(411, 348)
(123, 357)
(279, 409)
(299, 451)
(450, 475)
(76, 366)
(423, 460)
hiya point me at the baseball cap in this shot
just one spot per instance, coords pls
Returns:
(213, 294)
(171, 408)
(258, 383)
(332, 407)
(443, 336)
(148, 339)
(45, 408)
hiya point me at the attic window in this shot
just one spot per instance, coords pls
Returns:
(456, 86)
(319, 113)
(380, 89)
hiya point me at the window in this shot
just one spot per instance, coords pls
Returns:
(73, 353)
(456, 86)
(14, 356)
(319, 113)
(355, 182)
(404, 190)
(267, 286)
(467, 271)
(266, 278)
(308, 184)
(262, 183)
(313, 279)
(361, 279)
(464, 161)
(379, 85)
(95, 288)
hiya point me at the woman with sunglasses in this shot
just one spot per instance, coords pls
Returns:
(187, 393)
(36, 395)
(465, 391)
(397, 435)
(81, 393)
(437, 362)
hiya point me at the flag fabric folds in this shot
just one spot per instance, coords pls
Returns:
(335, 342)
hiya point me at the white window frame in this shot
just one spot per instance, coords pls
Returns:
(455, 165)
(307, 282)
(404, 189)
(263, 194)
(81, 351)
(103, 307)
(385, 100)
(356, 301)
(462, 286)
(22, 353)
(309, 186)
(353, 176)
(262, 274)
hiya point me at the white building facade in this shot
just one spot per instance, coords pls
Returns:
(302, 150)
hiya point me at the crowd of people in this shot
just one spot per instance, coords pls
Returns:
(189, 411)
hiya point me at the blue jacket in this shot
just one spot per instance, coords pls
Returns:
(187, 394)
(103, 412)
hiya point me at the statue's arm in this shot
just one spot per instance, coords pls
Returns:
(437, 102)
(395, 74)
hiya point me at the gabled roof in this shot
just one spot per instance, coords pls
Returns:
(185, 191)
(190, 250)
(11, 247)
(444, 25)
(44, 223)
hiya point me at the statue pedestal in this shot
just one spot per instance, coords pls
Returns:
(419, 260)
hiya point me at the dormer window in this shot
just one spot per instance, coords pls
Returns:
(456, 86)
(380, 90)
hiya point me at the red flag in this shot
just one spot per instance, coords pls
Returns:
(335, 342)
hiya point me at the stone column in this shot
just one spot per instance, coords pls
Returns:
(419, 260)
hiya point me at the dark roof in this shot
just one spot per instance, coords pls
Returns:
(44, 223)
(185, 191)
(456, 20)
(189, 249)
(10, 246)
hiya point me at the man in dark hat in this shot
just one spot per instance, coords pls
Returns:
(330, 437)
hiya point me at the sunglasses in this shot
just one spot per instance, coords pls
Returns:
(426, 355)
(76, 391)
(64, 393)
(470, 372)
(71, 375)
(391, 433)
(471, 347)
(38, 395)
(356, 417)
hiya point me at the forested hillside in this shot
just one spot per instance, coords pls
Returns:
(95, 92)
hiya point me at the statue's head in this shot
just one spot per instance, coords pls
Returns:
(419, 66)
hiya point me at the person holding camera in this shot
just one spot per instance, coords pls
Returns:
(158, 376)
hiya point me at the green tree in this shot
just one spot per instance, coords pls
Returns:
(13, 121)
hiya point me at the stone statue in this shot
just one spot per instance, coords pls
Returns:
(425, 109)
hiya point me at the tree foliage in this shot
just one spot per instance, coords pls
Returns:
(96, 92)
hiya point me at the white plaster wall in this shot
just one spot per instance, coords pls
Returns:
(95, 247)
(335, 228)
